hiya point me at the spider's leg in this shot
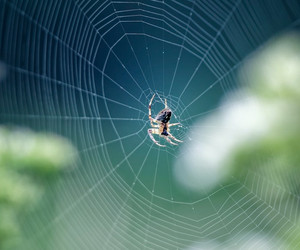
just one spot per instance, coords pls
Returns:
(170, 140)
(166, 105)
(154, 131)
(153, 120)
(150, 118)
(150, 103)
(175, 139)
(173, 124)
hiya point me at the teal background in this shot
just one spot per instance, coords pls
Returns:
(87, 70)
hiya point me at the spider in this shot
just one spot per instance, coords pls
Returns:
(162, 127)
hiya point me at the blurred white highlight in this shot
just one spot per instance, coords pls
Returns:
(274, 72)
(203, 161)
(250, 241)
(276, 69)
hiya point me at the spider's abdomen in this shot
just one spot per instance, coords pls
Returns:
(165, 133)
(164, 130)
(164, 116)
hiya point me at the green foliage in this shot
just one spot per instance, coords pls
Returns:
(27, 160)
(40, 153)
(273, 72)
(274, 80)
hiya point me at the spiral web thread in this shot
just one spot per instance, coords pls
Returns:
(87, 70)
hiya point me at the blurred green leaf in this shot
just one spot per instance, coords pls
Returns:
(26, 159)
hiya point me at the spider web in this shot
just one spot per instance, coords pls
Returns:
(87, 70)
